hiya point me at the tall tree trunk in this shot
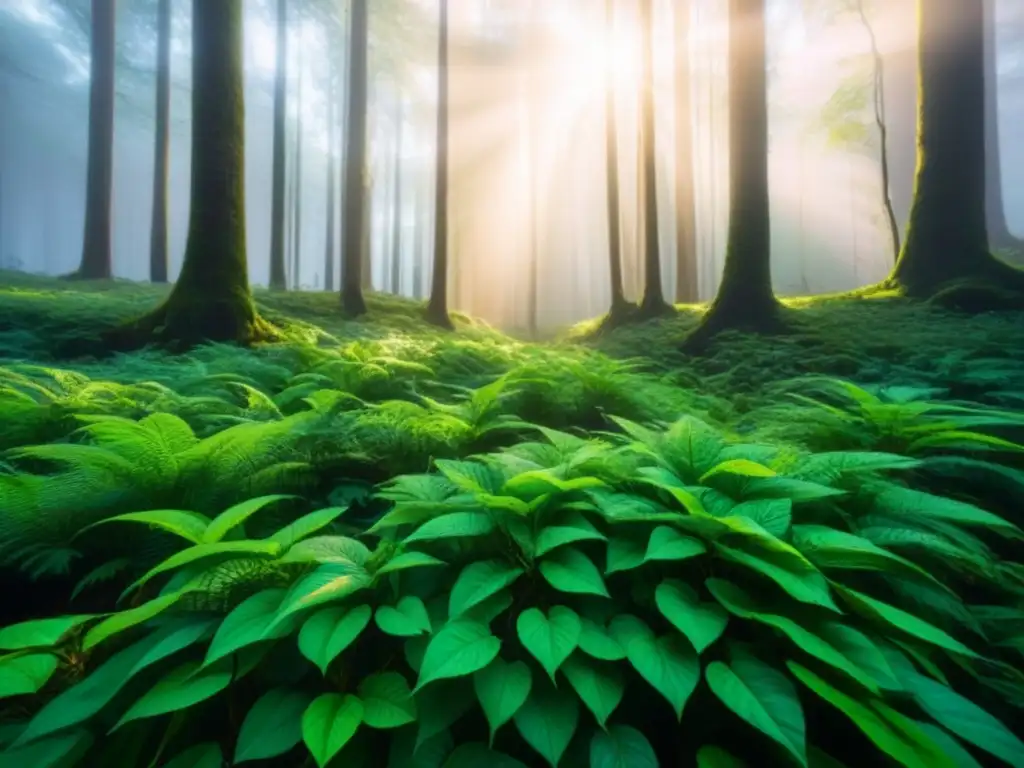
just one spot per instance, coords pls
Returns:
(653, 302)
(278, 273)
(947, 239)
(686, 214)
(437, 307)
(356, 237)
(618, 303)
(745, 300)
(332, 174)
(998, 230)
(396, 234)
(297, 252)
(211, 300)
(419, 237)
(158, 225)
(97, 257)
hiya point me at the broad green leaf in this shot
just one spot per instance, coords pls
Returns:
(502, 688)
(710, 756)
(949, 745)
(569, 570)
(439, 707)
(329, 723)
(764, 698)
(805, 584)
(25, 673)
(830, 548)
(124, 620)
(859, 648)
(203, 551)
(407, 619)
(623, 554)
(187, 525)
(387, 701)
(669, 664)
(476, 754)
(55, 751)
(600, 686)
(40, 633)
(742, 467)
(529, 485)
(669, 544)
(250, 622)
(559, 535)
(336, 550)
(479, 581)
(460, 648)
(205, 755)
(235, 516)
(307, 525)
(595, 641)
(621, 747)
(547, 722)
(892, 499)
(773, 515)
(326, 584)
(457, 525)
(408, 560)
(272, 726)
(550, 639)
(490, 609)
(701, 623)
(330, 631)
(181, 688)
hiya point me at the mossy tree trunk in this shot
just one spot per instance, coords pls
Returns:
(745, 300)
(278, 273)
(685, 197)
(947, 238)
(437, 306)
(653, 302)
(158, 226)
(356, 236)
(211, 300)
(97, 257)
(619, 305)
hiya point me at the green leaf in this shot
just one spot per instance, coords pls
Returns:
(330, 631)
(600, 686)
(502, 688)
(407, 619)
(457, 525)
(479, 581)
(336, 550)
(440, 706)
(326, 584)
(187, 525)
(307, 525)
(273, 725)
(623, 554)
(556, 536)
(763, 697)
(861, 650)
(124, 620)
(234, 516)
(56, 751)
(773, 515)
(803, 583)
(205, 755)
(183, 687)
(595, 641)
(387, 701)
(40, 633)
(668, 663)
(408, 560)
(569, 570)
(202, 551)
(549, 639)
(329, 723)
(669, 544)
(830, 548)
(710, 756)
(475, 754)
(742, 467)
(547, 722)
(895, 500)
(249, 623)
(621, 747)
(460, 648)
(25, 673)
(701, 623)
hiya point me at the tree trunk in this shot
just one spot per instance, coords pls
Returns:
(211, 300)
(745, 300)
(437, 307)
(97, 257)
(396, 233)
(332, 173)
(158, 225)
(297, 222)
(653, 302)
(356, 207)
(278, 273)
(686, 215)
(947, 240)
(419, 237)
(618, 302)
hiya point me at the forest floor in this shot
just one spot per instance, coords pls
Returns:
(878, 400)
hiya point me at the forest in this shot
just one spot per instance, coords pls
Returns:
(450, 383)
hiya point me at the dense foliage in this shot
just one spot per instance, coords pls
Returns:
(458, 549)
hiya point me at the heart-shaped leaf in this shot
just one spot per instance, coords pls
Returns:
(668, 663)
(667, 543)
(479, 581)
(330, 631)
(502, 688)
(621, 747)
(460, 648)
(550, 639)
(407, 619)
(547, 722)
(701, 623)
(387, 701)
(273, 725)
(600, 686)
(329, 723)
(569, 570)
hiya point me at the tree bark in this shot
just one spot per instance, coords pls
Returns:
(356, 237)
(745, 300)
(396, 233)
(278, 272)
(437, 306)
(686, 215)
(332, 174)
(297, 200)
(618, 299)
(158, 226)
(947, 239)
(97, 256)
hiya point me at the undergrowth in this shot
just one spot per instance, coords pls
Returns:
(376, 544)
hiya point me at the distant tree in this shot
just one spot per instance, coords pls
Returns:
(396, 232)
(97, 258)
(947, 238)
(278, 272)
(356, 235)
(619, 305)
(685, 197)
(297, 193)
(211, 301)
(745, 300)
(332, 177)
(158, 226)
(437, 306)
